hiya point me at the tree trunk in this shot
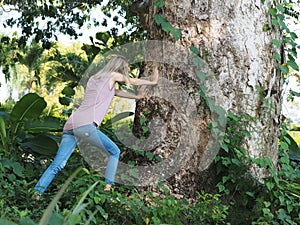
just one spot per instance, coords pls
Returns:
(242, 78)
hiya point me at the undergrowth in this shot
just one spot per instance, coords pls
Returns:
(239, 199)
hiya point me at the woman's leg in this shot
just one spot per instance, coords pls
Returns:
(90, 134)
(113, 159)
(66, 147)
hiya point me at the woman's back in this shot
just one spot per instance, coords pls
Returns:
(95, 104)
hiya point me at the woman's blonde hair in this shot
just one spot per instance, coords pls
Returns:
(116, 64)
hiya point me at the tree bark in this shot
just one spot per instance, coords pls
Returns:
(243, 79)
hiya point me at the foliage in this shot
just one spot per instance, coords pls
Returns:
(136, 154)
(67, 17)
(287, 45)
(293, 148)
(62, 14)
(60, 17)
(239, 199)
(232, 169)
(281, 203)
(273, 201)
(23, 128)
(165, 25)
(124, 205)
(8, 53)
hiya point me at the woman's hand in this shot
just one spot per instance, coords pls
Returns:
(141, 92)
(140, 96)
(117, 77)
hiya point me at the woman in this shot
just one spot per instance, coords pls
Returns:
(83, 123)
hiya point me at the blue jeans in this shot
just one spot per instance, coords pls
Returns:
(90, 135)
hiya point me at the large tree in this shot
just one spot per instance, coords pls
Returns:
(235, 40)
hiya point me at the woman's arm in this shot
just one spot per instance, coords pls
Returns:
(124, 94)
(135, 81)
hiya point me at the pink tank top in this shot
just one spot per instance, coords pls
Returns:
(95, 104)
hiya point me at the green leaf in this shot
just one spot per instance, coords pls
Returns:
(291, 57)
(159, 19)
(198, 62)
(284, 69)
(158, 158)
(167, 27)
(121, 116)
(281, 18)
(103, 36)
(65, 101)
(108, 124)
(68, 91)
(3, 134)
(149, 155)
(276, 43)
(295, 93)
(159, 4)
(236, 162)
(221, 187)
(293, 64)
(194, 50)
(225, 179)
(251, 194)
(143, 120)
(294, 155)
(6, 222)
(18, 169)
(139, 152)
(293, 35)
(225, 147)
(2, 128)
(233, 117)
(292, 144)
(145, 129)
(293, 52)
(273, 12)
(29, 106)
(277, 57)
(102, 212)
(56, 219)
(280, 8)
(270, 185)
(41, 144)
(201, 75)
(74, 219)
(284, 146)
(47, 124)
(266, 27)
(281, 212)
(176, 33)
(147, 112)
(275, 23)
(26, 221)
(11, 177)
